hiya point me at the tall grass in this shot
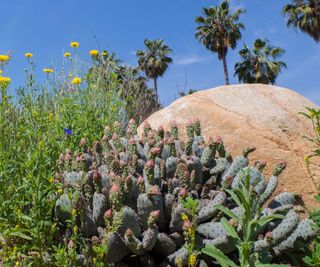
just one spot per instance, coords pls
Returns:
(37, 123)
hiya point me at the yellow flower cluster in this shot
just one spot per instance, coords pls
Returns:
(0, 71)
(4, 80)
(76, 80)
(74, 44)
(4, 57)
(94, 52)
(67, 54)
(28, 55)
(47, 70)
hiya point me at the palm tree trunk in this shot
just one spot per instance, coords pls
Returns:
(225, 69)
(156, 89)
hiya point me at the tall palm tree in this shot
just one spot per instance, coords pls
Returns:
(260, 64)
(304, 15)
(220, 30)
(154, 60)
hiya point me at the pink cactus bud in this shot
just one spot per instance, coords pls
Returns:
(140, 180)
(132, 141)
(155, 151)
(155, 213)
(82, 142)
(112, 174)
(68, 156)
(122, 163)
(218, 139)
(154, 190)
(283, 163)
(187, 224)
(61, 157)
(129, 232)
(108, 214)
(96, 144)
(114, 136)
(105, 138)
(114, 188)
(183, 192)
(68, 151)
(150, 164)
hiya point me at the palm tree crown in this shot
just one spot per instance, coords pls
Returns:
(260, 64)
(219, 30)
(305, 15)
(154, 60)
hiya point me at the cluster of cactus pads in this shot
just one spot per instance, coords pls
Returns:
(137, 186)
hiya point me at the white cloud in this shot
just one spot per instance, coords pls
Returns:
(190, 60)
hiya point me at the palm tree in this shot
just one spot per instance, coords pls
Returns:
(219, 30)
(305, 15)
(260, 64)
(154, 60)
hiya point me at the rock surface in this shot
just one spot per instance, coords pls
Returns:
(264, 116)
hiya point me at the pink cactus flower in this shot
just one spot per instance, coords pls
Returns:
(114, 188)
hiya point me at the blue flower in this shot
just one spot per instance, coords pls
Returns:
(67, 131)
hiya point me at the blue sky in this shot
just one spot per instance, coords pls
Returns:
(46, 28)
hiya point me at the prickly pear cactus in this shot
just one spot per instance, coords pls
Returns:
(136, 185)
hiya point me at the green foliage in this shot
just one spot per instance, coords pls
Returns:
(190, 229)
(40, 121)
(304, 15)
(259, 65)
(313, 115)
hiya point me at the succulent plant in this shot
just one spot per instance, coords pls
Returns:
(138, 186)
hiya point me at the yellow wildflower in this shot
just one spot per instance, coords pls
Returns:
(70, 75)
(74, 44)
(94, 52)
(67, 54)
(0, 71)
(4, 57)
(60, 191)
(184, 217)
(51, 179)
(104, 53)
(28, 55)
(74, 212)
(47, 70)
(4, 80)
(192, 260)
(17, 263)
(75, 229)
(76, 80)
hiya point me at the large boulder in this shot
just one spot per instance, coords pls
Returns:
(264, 116)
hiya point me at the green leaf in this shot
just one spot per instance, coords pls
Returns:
(229, 228)
(227, 212)
(271, 265)
(267, 219)
(219, 256)
(21, 235)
